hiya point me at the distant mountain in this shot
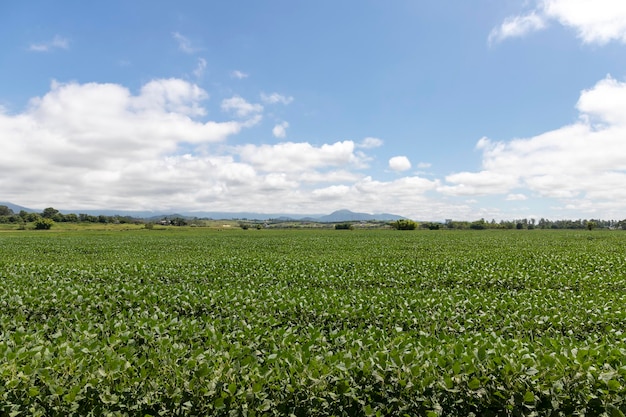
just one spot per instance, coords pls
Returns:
(350, 216)
(105, 212)
(337, 216)
(16, 209)
(283, 219)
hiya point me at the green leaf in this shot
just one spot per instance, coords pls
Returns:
(203, 370)
(482, 353)
(614, 385)
(614, 411)
(218, 403)
(474, 384)
(529, 397)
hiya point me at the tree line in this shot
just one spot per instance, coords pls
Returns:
(8, 216)
(530, 224)
(51, 215)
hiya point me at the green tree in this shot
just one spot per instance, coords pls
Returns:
(178, 221)
(478, 224)
(404, 224)
(5, 211)
(71, 217)
(43, 223)
(31, 217)
(49, 213)
(24, 215)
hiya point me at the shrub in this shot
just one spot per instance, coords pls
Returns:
(43, 223)
(344, 226)
(404, 224)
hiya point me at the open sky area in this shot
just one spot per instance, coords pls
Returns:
(459, 109)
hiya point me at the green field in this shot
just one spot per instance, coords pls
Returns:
(312, 322)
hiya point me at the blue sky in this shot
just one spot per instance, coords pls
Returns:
(451, 109)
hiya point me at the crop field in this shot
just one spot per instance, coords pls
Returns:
(194, 322)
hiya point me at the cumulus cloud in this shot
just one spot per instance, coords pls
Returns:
(581, 162)
(280, 130)
(294, 156)
(370, 143)
(407, 195)
(98, 145)
(184, 43)
(200, 68)
(331, 193)
(516, 197)
(275, 98)
(478, 183)
(240, 106)
(58, 42)
(399, 163)
(599, 21)
(517, 26)
(238, 74)
(171, 95)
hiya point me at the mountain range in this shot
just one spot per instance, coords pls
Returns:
(334, 217)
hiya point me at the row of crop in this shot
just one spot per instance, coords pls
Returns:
(298, 371)
(237, 327)
(287, 293)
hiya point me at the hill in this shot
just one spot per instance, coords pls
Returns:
(350, 216)
(16, 209)
(336, 216)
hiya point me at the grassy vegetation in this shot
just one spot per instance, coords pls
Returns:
(198, 321)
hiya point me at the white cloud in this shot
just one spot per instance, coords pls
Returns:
(517, 26)
(58, 42)
(584, 161)
(280, 130)
(98, 145)
(296, 157)
(404, 195)
(478, 183)
(370, 143)
(200, 68)
(184, 43)
(516, 197)
(605, 102)
(331, 193)
(598, 21)
(332, 175)
(399, 163)
(103, 146)
(238, 74)
(240, 106)
(424, 165)
(172, 95)
(275, 98)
